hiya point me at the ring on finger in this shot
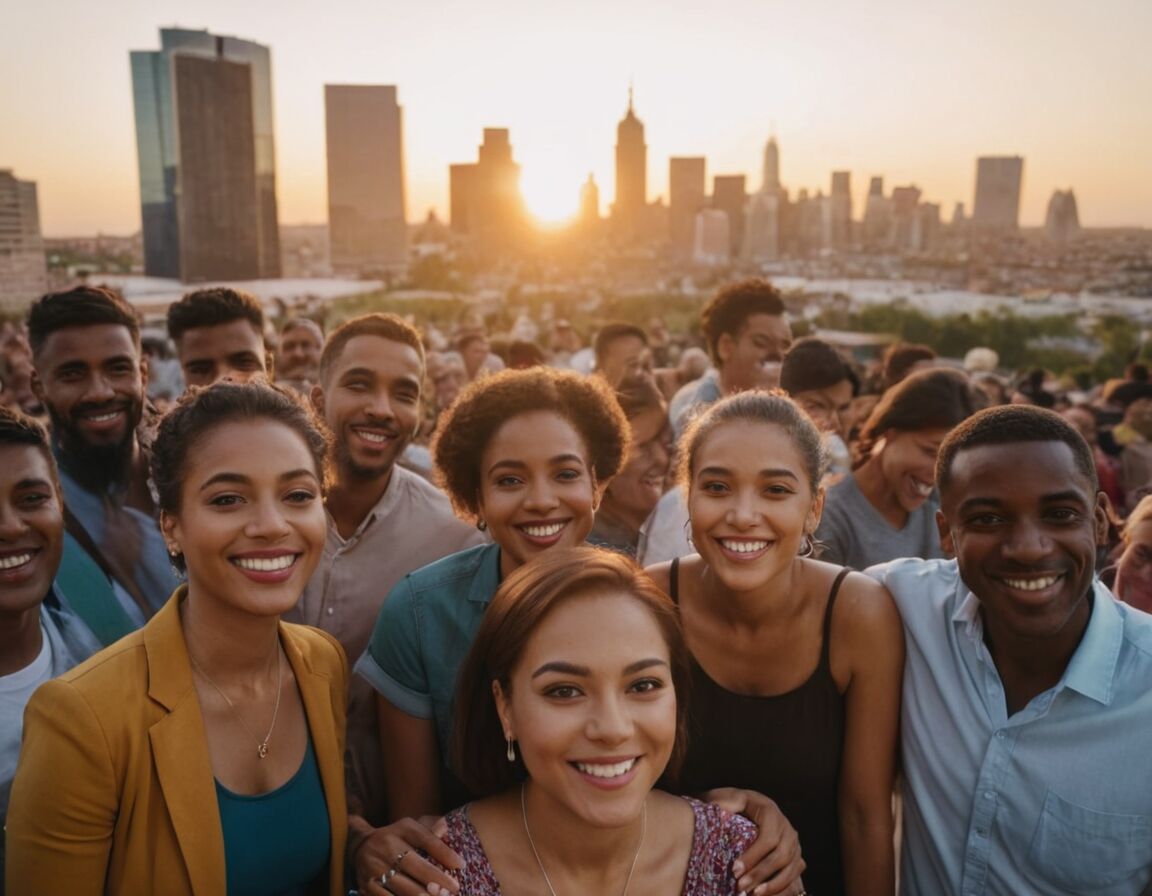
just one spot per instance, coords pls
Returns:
(387, 876)
(399, 858)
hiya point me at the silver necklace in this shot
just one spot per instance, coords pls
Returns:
(635, 858)
(261, 745)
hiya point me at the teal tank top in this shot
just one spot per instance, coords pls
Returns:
(276, 843)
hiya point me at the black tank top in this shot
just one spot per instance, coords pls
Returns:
(786, 746)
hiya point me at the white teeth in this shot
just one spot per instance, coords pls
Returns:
(15, 560)
(924, 488)
(378, 437)
(743, 547)
(543, 531)
(265, 564)
(1032, 584)
(607, 771)
(104, 418)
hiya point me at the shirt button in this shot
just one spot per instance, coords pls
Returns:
(988, 795)
(331, 610)
(1000, 734)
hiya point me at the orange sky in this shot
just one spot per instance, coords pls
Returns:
(910, 90)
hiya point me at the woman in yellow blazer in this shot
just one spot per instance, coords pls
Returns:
(202, 754)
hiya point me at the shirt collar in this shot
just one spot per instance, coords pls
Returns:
(486, 579)
(387, 503)
(1092, 669)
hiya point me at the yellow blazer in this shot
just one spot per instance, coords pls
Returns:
(114, 792)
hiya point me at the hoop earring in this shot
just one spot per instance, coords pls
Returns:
(806, 547)
(688, 533)
(482, 525)
(511, 752)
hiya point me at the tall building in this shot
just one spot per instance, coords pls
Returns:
(998, 181)
(730, 196)
(629, 207)
(711, 238)
(589, 215)
(485, 195)
(840, 210)
(1063, 219)
(761, 241)
(686, 178)
(23, 271)
(905, 217)
(207, 161)
(877, 225)
(367, 224)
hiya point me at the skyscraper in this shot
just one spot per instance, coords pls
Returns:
(686, 179)
(1063, 219)
(998, 181)
(23, 272)
(485, 195)
(207, 160)
(589, 216)
(840, 209)
(771, 178)
(631, 175)
(730, 196)
(366, 212)
(762, 232)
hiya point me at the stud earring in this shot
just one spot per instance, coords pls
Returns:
(482, 525)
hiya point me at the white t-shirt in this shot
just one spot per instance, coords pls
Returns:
(15, 691)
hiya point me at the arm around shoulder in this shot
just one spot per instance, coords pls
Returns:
(65, 798)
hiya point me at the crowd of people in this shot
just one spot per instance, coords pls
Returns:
(289, 611)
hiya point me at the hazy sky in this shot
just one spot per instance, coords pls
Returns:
(912, 90)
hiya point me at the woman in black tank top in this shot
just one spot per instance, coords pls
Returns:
(797, 663)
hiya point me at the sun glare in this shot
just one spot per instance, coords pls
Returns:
(551, 189)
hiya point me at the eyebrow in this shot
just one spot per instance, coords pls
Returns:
(241, 479)
(1054, 498)
(33, 483)
(519, 464)
(565, 668)
(769, 473)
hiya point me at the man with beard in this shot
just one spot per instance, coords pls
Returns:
(219, 335)
(298, 354)
(90, 375)
(383, 521)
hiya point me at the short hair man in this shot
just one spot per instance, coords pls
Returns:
(383, 520)
(623, 356)
(747, 331)
(40, 636)
(1028, 687)
(219, 335)
(298, 354)
(90, 375)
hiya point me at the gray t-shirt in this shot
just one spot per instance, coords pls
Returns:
(853, 533)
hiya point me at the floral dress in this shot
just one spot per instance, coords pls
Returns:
(718, 840)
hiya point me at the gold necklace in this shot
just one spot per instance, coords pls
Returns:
(635, 858)
(261, 745)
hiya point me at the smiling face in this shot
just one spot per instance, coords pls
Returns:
(627, 360)
(750, 359)
(299, 353)
(1024, 524)
(750, 502)
(92, 380)
(634, 492)
(828, 407)
(31, 528)
(1134, 572)
(907, 463)
(233, 351)
(537, 489)
(370, 399)
(593, 708)
(251, 523)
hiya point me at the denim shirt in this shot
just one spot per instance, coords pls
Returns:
(1056, 798)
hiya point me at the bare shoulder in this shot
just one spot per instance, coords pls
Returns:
(865, 616)
(661, 574)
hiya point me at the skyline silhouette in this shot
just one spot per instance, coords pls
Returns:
(910, 94)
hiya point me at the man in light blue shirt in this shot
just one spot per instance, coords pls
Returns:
(1027, 705)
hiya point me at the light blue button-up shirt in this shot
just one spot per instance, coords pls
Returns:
(1057, 798)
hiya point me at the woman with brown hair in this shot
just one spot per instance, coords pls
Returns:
(203, 754)
(571, 706)
(886, 508)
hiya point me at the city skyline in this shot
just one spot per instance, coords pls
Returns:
(892, 90)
